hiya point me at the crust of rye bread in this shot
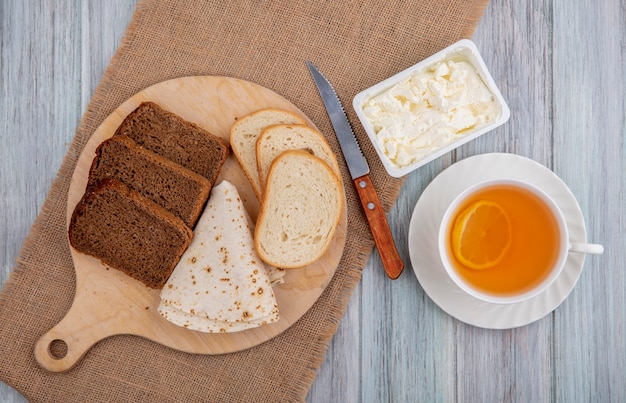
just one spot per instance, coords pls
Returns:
(180, 191)
(167, 134)
(128, 232)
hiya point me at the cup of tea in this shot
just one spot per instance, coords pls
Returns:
(504, 241)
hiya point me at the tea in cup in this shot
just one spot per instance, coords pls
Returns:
(505, 241)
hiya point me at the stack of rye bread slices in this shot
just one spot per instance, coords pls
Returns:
(149, 184)
(296, 177)
(147, 187)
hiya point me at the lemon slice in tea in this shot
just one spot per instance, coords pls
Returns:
(481, 235)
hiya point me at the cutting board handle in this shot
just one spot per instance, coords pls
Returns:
(65, 344)
(96, 313)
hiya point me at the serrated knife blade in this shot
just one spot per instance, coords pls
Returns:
(359, 171)
(357, 164)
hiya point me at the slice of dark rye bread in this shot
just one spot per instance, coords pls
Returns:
(128, 232)
(175, 188)
(176, 139)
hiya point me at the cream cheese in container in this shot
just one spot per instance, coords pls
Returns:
(431, 108)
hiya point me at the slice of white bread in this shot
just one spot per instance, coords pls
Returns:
(300, 212)
(278, 138)
(244, 134)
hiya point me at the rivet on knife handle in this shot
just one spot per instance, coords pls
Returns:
(380, 228)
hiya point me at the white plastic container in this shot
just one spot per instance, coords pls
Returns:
(463, 50)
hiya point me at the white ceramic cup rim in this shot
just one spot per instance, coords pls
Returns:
(564, 243)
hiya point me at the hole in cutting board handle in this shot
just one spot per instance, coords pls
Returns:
(58, 349)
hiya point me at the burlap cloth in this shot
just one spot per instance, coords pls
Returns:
(356, 44)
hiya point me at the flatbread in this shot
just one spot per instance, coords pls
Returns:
(220, 284)
(276, 274)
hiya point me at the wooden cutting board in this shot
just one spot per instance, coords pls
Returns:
(108, 302)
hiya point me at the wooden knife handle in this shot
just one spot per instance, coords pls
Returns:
(380, 227)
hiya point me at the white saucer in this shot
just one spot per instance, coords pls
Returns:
(424, 253)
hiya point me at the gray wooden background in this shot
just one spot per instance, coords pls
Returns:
(560, 66)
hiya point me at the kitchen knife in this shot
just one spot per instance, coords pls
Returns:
(359, 171)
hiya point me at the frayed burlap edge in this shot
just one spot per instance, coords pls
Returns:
(90, 120)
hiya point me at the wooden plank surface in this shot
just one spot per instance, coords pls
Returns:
(560, 67)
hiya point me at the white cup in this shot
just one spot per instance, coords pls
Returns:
(566, 245)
